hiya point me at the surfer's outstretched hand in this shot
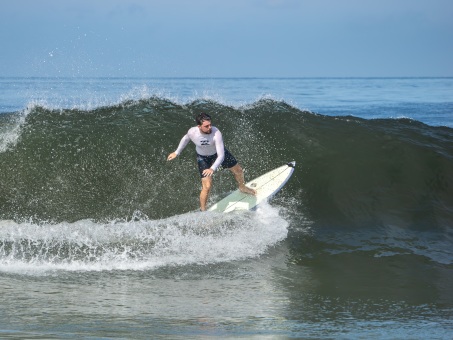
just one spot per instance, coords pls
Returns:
(171, 156)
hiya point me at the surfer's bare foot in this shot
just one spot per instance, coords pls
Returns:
(247, 190)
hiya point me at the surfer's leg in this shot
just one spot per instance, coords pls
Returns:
(239, 176)
(206, 183)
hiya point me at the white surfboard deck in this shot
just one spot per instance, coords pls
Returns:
(266, 186)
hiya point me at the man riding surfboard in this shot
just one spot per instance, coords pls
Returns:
(211, 154)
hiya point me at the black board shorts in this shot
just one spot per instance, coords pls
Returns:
(205, 162)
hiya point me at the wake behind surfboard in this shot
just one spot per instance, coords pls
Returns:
(266, 186)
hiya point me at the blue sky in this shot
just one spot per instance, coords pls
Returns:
(228, 38)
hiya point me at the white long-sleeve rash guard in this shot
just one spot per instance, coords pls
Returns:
(205, 144)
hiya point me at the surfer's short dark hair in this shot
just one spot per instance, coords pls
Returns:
(201, 117)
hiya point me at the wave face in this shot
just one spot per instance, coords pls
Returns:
(61, 167)
(67, 165)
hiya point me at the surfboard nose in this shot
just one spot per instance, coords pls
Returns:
(292, 164)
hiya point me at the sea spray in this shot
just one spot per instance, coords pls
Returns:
(85, 245)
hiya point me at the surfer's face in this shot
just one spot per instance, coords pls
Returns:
(205, 127)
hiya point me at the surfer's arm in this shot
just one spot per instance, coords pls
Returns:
(220, 149)
(182, 144)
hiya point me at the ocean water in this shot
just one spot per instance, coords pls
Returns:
(100, 238)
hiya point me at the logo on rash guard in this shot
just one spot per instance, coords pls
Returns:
(204, 142)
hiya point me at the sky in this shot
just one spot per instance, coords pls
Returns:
(226, 38)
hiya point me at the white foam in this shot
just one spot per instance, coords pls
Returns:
(194, 238)
(10, 132)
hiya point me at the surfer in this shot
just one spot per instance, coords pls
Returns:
(211, 154)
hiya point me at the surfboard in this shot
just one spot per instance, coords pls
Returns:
(265, 185)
